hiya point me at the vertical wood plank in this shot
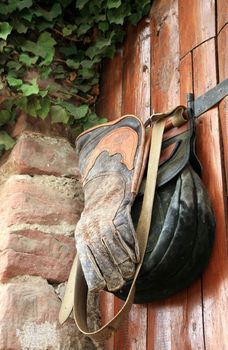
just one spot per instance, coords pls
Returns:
(110, 99)
(164, 55)
(107, 312)
(194, 312)
(135, 100)
(109, 106)
(223, 106)
(222, 14)
(197, 23)
(136, 71)
(167, 320)
(215, 281)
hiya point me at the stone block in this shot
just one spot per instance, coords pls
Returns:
(45, 203)
(29, 318)
(35, 253)
(38, 154)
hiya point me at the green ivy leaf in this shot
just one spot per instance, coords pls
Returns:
(68, 30)
(86, 73)
(72, 64)
(27, 60)
(81, 111)
(45, 72)
(113, 4)
(59, 115)
(6, 140)
(42, 26)
(54, 12)
(33, 105)
(20, 4)
(43, 48)
(19, 26)
(27, 14)
(100, 46)
(5, 116)
(103, 26)
(84, 88)
(118, 15)
(44, 109)
(77, 112)
(22, 103)
(13, 65)
(43, 93)
(89, 63)
(81, 3)
(83, 28)
(5, 30)
(2, 45)
(30, 89)
(14, 82)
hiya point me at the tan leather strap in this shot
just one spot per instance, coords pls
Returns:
(76, 291)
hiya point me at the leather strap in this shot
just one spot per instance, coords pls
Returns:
(210, 98)
(76, 290)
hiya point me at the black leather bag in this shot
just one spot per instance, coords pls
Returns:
(182, 227)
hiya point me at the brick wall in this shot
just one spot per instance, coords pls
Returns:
(40, 203)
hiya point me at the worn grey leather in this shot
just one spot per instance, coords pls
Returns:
(105, 236)
(182, 226)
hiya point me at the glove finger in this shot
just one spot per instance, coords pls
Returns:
(114, 279)
(120, 256)
(127, 234)
(93, 276)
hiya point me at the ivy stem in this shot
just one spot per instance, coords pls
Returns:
(65, 37)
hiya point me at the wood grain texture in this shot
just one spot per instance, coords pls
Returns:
(186, 78)
(110, 99)
(196, 318)
(193, 304)
(215, 282)
(223, 106)
(197, 23)
(107, 312)
(222, 11)
(136, 71)
(174, 323)
(164, 55)
(109, 106)
(135, 100)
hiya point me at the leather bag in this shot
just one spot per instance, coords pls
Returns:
(172, 215)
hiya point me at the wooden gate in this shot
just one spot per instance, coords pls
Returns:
(182, 48)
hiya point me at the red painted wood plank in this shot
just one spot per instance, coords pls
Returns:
(109, 106)
(107, 312)
(164, 55)
(135, 100)
(186, 78)
(223, 107)
(110, 99)
(172, 323)
(136, 71)
(215, 281)
(222, 11)
(194, 320)
(197, 23)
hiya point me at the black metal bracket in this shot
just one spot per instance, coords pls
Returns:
(206, 101)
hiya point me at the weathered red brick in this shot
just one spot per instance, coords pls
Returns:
(35, 253)
(39, 154)
(17, 263)
(44, 201)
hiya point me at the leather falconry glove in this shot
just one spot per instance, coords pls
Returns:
(111, 159)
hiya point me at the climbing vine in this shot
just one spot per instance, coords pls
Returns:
(50, 54)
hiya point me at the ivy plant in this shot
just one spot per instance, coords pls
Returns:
(50, 54)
